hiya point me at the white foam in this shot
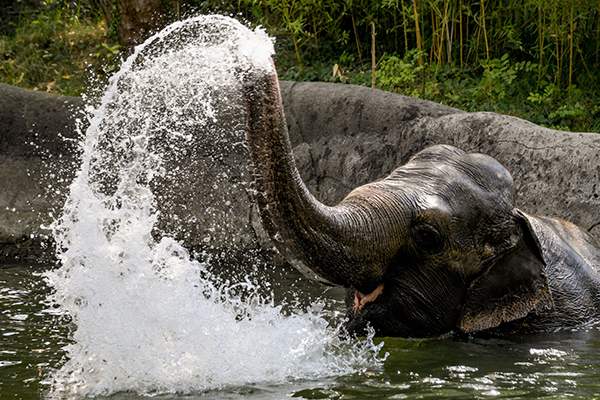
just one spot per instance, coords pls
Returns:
(150, 319)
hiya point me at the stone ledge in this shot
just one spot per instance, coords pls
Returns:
(343, 136)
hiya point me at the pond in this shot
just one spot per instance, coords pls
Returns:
(563, 364)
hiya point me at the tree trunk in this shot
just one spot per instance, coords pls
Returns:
(134, 20)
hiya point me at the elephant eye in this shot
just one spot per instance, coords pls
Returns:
(428, 238)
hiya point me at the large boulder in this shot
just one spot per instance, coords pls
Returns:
(343, 136)
(37, 148)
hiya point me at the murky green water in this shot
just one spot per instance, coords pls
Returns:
(31, 335)
(553, 365)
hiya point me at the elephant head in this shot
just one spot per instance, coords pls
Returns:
(436, 246)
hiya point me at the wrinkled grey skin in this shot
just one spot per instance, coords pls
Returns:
(436, 246)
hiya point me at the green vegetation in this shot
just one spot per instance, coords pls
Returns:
(59, 50)
(536, 59)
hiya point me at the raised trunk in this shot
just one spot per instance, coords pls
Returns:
(337, 243)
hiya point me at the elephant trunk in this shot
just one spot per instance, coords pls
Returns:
(328, 240)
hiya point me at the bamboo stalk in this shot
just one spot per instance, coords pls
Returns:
(395, 28)
(448, 35)
(288, 21)
(356, 38)
(405, 28)
(467, 34)
(571, 52)
(432, 56)
(373, 60)
(598, 33)
(557, 77)
(450, 32)
(460, 24)
(477, 48)
(315, 28)
(487, 48)
(542, 19)
(439, 30)
(418, 31)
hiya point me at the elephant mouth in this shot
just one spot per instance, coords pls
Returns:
(360, 300)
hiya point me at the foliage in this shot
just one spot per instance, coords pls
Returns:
(401, 75)
(535, 59)
(56, 50)
(469, 89)
(476, 55)
(561, 37)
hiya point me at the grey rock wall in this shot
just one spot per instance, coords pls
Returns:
(343, 136)
(37, 149)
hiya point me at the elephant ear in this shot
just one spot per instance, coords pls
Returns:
(512, 287)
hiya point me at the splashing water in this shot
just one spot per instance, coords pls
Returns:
(149, 318)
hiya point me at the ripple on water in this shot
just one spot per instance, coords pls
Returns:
(30, 340)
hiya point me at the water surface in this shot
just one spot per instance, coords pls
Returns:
(564, 364)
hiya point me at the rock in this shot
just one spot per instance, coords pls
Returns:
(37, 145)
(343, 136)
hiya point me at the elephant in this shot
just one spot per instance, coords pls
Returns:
(437, 246)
